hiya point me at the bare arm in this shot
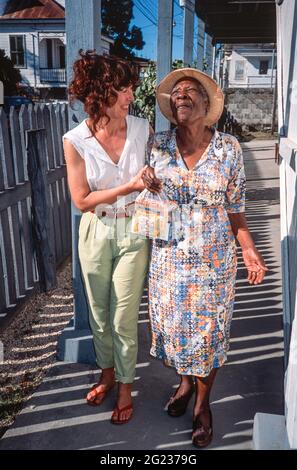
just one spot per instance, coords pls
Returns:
(81, 194)
(253, 260)
(241, 230)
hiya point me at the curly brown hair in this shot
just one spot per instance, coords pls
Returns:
(96, 80)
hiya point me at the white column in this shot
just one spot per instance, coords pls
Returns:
(200, 44)
(83, 31)
(164, 52)
(188, 31)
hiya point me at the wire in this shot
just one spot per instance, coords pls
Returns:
(147, 26)
(148, 10)
(143, 12)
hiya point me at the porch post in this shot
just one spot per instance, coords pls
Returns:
(83, 31)
(188, 32)
(200, 44)
(209, 54)
(164, 52)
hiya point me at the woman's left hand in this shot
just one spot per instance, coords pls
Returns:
(255, 265)
(151, 183)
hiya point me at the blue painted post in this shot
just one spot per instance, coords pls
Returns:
(200, 44)
(164, 52)
(209, 54)
(83, 31)
(188, 32)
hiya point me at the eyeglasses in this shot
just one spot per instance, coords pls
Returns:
(188, 91)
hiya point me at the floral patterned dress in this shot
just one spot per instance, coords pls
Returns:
(192, 275)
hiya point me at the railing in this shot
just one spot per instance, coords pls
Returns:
(35, 210)
(228, 123)
(53, 75)
(260, 81)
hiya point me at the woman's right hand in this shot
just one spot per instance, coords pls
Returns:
(136, 183)
(150, 181)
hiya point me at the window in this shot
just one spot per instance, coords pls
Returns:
(49, 49)
(263, 69)
(17, 50)
(239, 70)
(62, 57)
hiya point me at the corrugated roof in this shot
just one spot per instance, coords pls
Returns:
(32, 9)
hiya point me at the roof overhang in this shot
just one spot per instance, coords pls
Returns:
(238, 21)
(5, 21)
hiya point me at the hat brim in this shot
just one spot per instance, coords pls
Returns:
(215, 94)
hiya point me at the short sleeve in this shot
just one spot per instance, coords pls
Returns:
(235, 194)
(149, 155)
(76, 142)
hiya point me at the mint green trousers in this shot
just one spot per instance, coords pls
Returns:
(114, 265)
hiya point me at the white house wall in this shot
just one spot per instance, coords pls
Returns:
(251, 70)
(287, 91)
(30, 30)
(35, 47)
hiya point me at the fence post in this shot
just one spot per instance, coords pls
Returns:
(35, 140)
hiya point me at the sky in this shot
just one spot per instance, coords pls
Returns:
(145, 15)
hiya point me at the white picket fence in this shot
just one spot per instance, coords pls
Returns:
(35, 210)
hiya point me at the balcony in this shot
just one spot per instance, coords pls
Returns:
(53, 75)
(261, 81)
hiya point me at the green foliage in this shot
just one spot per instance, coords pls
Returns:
(9, 75)
(116, 18)
(178, 64)
(145, 94)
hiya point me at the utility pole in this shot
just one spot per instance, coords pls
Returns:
(164, 52)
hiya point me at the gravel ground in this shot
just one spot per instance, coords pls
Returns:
(29, 344)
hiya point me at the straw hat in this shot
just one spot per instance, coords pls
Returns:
(215, 94)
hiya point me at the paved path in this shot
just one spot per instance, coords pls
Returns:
(252, 380)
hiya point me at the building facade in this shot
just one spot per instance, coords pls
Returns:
(249, 66)
(34, 38)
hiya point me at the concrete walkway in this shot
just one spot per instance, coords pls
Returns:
(251, 381)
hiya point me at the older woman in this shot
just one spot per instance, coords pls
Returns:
(192, 275)
(105, 157)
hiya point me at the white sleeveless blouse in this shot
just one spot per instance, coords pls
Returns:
(102, 172)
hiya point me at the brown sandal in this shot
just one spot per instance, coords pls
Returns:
(117, 411)
(93, 395)
(202, 436)
(178, 406)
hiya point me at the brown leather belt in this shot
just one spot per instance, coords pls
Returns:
(112, 215)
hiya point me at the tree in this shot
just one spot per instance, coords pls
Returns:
(145, 95)
(116, 18)
(9, 75)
